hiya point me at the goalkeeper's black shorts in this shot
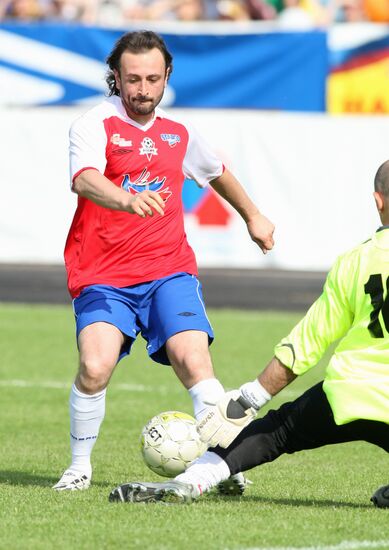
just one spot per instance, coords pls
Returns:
(306, 423)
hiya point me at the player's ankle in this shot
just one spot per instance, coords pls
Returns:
(82, 468)
(198, 486)
(205, 472)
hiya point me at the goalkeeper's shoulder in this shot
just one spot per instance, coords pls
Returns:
(348, 263)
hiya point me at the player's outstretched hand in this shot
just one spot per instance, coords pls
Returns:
(223, 421)
(261, 231)
(146, 203)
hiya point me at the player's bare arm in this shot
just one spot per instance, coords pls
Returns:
(259, 227)
(276, 376)
(92, 185)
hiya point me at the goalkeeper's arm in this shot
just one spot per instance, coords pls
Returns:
(275, 377)
(327, 319)
(223, 421)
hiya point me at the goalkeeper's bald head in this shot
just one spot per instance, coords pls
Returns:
(381, 192)
(381, 180)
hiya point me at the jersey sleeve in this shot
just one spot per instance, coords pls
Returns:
(87, 146)
(200, 162)
(327, 320)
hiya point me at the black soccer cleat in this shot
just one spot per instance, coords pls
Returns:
(380, 499)
(234, 486)
(170, 492)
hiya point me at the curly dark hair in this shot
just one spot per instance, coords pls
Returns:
(135, 42)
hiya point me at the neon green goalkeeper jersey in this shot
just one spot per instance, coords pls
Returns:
(354, 306)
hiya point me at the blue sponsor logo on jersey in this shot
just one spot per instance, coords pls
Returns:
(172, 139)
(143, 183)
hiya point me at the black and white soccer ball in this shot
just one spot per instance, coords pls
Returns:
(170, 442)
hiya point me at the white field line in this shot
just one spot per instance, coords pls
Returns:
(344, 545)
(52, 385)
(134, 388)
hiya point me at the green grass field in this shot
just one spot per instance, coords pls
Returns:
(313, 500)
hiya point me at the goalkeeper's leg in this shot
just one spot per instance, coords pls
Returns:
(306, 423)
(261, 441)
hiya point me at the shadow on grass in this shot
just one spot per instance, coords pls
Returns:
(307, 503)
(39, 480)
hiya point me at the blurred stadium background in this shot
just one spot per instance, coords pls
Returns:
(294, 98)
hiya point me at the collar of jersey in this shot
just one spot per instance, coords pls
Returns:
(381, 237)
(158, 113)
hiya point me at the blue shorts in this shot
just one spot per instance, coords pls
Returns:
(157, 309)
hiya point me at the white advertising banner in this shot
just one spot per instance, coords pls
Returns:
(312, 175)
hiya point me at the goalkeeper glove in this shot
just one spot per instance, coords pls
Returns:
(223, 421)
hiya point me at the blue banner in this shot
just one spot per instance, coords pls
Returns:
(276, 71)
(62, 64)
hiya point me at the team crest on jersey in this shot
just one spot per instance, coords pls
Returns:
(143, 183)
(148, 148)
(172, 139)
(122, 142)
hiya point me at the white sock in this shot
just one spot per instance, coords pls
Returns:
(209, 390)
(86, 415)
(205, 472)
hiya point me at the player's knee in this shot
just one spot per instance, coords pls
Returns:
(195, 361)
(94, 374)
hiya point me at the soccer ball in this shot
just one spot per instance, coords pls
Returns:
(170, 442)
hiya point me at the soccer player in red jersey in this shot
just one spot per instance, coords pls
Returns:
(130, 268)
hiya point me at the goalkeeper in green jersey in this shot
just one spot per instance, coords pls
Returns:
(352, 403)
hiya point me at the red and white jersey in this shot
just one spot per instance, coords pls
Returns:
(116, 248)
